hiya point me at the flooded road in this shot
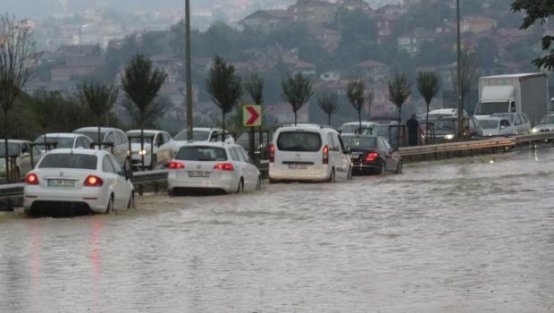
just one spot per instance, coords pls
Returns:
(465, 235)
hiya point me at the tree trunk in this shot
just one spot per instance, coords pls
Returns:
(142, 152)
(360, 121)
(427, 123)
(7, 157)
(400, 126)
(223, 135)
(329, 119)
(295, 118)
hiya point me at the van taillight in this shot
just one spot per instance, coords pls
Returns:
(271, 151)
(325, 155)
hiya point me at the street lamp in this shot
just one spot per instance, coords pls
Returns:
(459, 73)
(188, 73)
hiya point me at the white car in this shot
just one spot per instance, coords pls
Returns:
(85, 179)
(545, 125)
(308, 153)
(212, 166)
(518, 120)
(496, 126)
(109, 135)
(354, 128)
(157, 155)
(203, 134)
(62, 140)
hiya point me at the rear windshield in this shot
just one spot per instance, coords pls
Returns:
(69, 160)
(92, 134)
(61, 142)
(360, 142)
(198, 153)
(197, 135)
(299, 141)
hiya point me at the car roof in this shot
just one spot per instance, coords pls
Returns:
(218, 144)
(77, 151)
(95, 128)
(308, 127)
(15, 141)
(149, 131)
(358, 123)
(203, 129)
(62, 135)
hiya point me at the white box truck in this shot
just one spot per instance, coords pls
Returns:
(522, 93)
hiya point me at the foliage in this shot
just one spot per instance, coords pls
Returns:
(155, 112)
(224, 86)
(428, 86)
(355, 92)
(538, 10)
(297, 90)
(399, 90)
(98, 97)
(142, 82)
(328, 102)
(254, 86)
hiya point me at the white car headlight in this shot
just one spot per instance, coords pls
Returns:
(449, 137)
(534, 130)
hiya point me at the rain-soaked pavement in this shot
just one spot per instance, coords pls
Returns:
(465, 235)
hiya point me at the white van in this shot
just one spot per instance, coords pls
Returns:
(308, 153)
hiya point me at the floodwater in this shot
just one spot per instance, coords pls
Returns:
(464, 235)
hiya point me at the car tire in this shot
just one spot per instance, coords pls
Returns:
(399, 167)
(349, 175)
(331, 178)
(131, 204)
(171, 192)
(240, 187)
(383, 171)
(153, 162)
(110, 207)
(259, 183)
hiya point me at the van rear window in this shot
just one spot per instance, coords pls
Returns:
(299, 141)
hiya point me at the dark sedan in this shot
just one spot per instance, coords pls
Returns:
(372, 155)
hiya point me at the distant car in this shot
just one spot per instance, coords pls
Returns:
(545, 125)
(519, 121)
(357, 128)
(496, 126)
(372, 155)
(114, 139)
(308, 153)
(20, 150)
(158, 155)
(444, 129)
(203, 134)
(62, 140)
(86, 179)
(212, 166)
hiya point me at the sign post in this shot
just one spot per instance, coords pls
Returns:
(251, 117)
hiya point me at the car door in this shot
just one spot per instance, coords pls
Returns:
(121, 189)
(338, 157)
(249, 169)
(386, 153)
(24, 158)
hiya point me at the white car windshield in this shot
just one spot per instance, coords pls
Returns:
(547, 120)
(489, 124)
(13, 149)
(197, 135)
(60, 142)
(200, 153)
(69, 160)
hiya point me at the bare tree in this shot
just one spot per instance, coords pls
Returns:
(224, 86)
(17, 59)
(297, 90)
(399, 90)
(254, 86)
(328, 102)
(142, 82)
(99, 98)
(428, 86)
(355, 92)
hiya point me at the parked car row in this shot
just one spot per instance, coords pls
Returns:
(94, 180)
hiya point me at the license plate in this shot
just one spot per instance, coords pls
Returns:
(199, 174)
(298, 166)
(61, 183)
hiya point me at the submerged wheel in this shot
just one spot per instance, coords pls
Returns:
(331, 178)
(349, 175)
(153, 162)
(259, 183)
(240, 187)
(110, 207)
(131, 204)
(399, 167)
(383, 171)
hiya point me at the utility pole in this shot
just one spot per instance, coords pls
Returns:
(188, 71)
(460, 129)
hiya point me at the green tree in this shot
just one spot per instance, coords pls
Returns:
(99, 98)
(224, 87)
(355, 92)
(142, 82)
(17, 59)
(400, 89)
(254, 86)
(297, 90)
(328, 102)
(538, 10)
(428, 86)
